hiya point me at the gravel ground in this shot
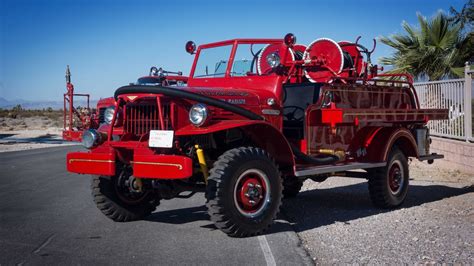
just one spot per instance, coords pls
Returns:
(27, 123)
(338, 225)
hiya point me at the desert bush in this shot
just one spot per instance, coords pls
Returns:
(17, 113)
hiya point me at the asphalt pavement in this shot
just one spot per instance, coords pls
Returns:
(47, 216)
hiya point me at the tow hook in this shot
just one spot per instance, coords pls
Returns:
(202, 162)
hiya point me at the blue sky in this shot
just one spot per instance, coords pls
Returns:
(112, 43)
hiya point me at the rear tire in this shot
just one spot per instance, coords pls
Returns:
(388, 186)
(118, 204)
(244, 192)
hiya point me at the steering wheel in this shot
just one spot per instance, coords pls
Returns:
(293, 113)
(254, 60)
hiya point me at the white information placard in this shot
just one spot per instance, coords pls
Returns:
(161, 138)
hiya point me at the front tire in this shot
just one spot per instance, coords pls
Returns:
(244, 192)
(116, 200)
(388, 186)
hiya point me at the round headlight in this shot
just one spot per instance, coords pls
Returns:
(109, 115)
(91, 138)
(273, 59)
(198, 114)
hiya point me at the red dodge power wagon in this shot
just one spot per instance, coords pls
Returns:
(254, 119)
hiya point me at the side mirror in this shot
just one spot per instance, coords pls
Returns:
(190, 47)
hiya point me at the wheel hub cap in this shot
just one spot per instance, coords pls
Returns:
(251, 193)
(395, 179)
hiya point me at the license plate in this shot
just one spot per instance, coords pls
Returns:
(161, 138)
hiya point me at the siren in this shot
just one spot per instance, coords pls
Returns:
(290, 39)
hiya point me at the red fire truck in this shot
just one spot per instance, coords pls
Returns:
(254, 119)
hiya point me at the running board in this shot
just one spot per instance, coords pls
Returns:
(324, 169)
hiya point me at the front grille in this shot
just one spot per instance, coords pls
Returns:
(140, 118)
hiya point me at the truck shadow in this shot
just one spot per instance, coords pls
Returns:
(199, 213)
(2, 136)
(43, 139)
(320, 207)
(180, 216)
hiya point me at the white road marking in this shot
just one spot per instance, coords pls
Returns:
(45, 243)
(267, 252)
(38, 249)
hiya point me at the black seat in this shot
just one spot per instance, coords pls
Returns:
(296, 98)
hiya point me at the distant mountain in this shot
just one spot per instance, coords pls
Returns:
(3, 102)
(7, 104)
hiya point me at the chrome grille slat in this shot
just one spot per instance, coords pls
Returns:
(142, 117)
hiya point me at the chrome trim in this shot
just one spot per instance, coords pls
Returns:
(179, 166)
(270, 112)
(336, 168)
(90, 160)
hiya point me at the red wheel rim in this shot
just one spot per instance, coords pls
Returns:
(395, 178)
(252, 193)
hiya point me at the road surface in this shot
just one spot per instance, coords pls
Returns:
(47, 217)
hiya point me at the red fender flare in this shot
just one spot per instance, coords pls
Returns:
(262, 133)
(385, 138)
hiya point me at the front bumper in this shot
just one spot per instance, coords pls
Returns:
(70, 135)
(143, 165)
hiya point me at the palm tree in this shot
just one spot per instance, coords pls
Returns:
(465, 17)
(437, 49)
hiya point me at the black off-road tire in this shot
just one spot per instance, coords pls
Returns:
(381, 192)
(291, 187)
(222, 203)
(108, 202)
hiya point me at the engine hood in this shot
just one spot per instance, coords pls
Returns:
(232, 95)
(236, 101)
(105, 102)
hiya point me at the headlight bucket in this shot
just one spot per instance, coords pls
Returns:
(109, 115)
(273, 60)
(198, 114)
(91, 138)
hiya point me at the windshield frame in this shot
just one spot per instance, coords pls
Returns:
(233, 51)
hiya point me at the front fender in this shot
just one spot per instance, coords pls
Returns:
(263, 135)
(216, 126)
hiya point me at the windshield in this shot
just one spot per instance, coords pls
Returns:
(213, 62)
